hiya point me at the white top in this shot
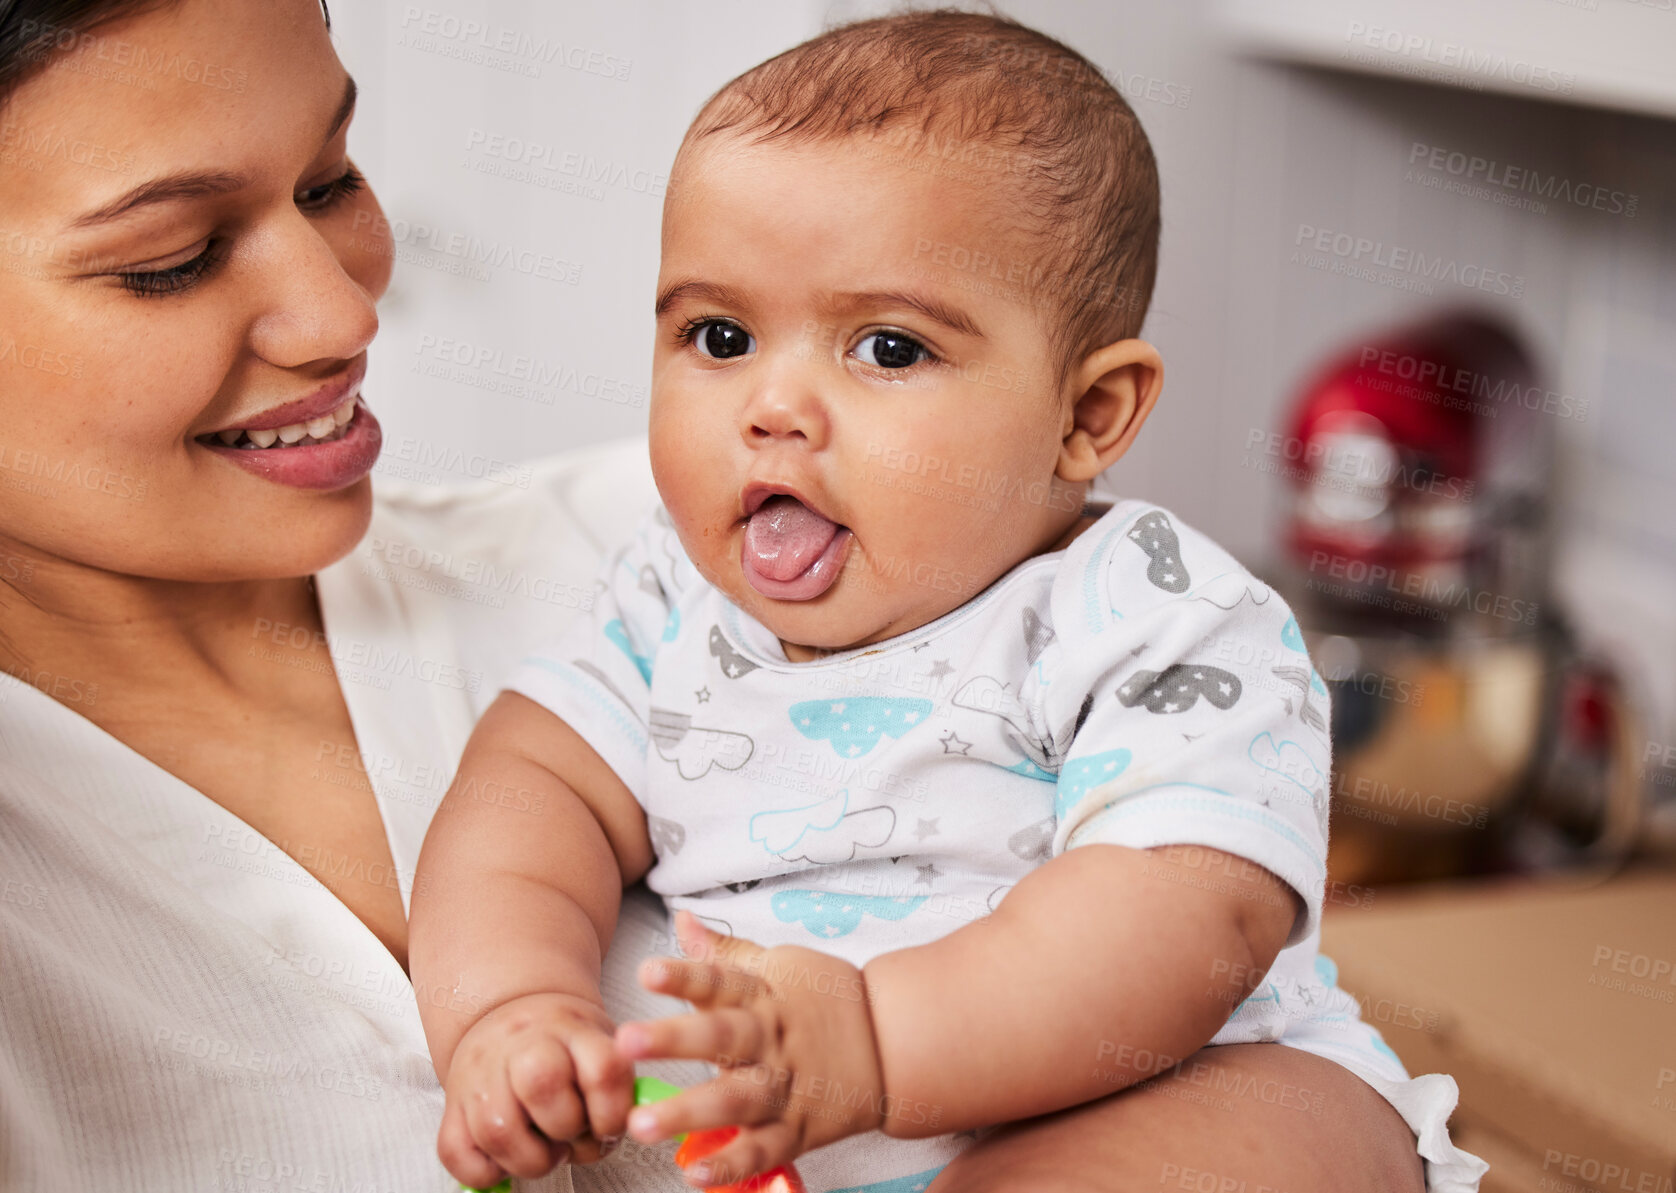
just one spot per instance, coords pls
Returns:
(182, 1005)
(1139, 688)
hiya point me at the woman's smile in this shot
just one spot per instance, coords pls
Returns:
(324, 441)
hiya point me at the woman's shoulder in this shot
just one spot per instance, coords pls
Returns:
(599, 492)
(491, 567)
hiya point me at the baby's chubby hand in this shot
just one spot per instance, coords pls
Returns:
(792, 1033)
(526, 1083)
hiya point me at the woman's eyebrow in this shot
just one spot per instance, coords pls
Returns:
(195, 184)
(192, 184)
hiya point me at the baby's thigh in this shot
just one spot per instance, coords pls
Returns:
(1239, 1118)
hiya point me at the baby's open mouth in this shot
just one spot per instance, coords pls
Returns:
(792, 552)
(324, 429)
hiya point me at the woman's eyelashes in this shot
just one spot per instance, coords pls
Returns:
(175, 279)
(317, 198)
(723, 339)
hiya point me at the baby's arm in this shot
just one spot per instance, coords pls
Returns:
(1095, 972)
(514, 903)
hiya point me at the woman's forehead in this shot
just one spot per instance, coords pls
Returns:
(199, 86)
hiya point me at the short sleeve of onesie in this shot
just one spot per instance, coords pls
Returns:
(597, 677)
(1193, 713)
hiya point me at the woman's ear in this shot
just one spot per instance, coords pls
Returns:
(1111, 391)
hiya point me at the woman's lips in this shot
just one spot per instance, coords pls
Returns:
(329, 452)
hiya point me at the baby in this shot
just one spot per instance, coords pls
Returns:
(983, 801)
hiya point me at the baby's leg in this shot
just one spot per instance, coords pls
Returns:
(1240, 1118)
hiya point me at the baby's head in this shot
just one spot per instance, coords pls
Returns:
(904, 266)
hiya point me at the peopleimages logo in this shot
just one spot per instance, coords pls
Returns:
(1382, 584)
(431, 30)
(466, 247)
(1471, 168)
(1364, 252)
(1454, 57)
(584, 168)
(1429, 375)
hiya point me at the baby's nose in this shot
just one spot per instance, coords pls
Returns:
(785, 407)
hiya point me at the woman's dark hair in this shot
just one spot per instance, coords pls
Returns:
(32, 31)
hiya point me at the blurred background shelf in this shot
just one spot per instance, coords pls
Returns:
(1598, 53)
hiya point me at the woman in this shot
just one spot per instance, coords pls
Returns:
(231, 690)
(215, 771)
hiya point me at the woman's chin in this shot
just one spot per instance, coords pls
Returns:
(296, 538)
(334, 524)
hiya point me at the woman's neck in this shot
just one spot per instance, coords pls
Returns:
(64, 625)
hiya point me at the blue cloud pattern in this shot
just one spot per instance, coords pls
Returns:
(779, 829)
(854, 724)
(616, 633)
(830, 914)
(1267, 992)
(1287, 759)
(1030, 770)
(1080, 774)
(1291, 637)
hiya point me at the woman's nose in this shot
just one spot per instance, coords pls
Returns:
(312, 309)
(785, 407)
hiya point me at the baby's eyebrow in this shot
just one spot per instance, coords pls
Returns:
(950, 317)
(725, 296)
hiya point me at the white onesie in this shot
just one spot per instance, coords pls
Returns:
(1139, 688)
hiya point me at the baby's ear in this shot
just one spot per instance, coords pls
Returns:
(1110, 394)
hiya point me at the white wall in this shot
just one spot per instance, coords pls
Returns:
(556, 264)
(1249, 151)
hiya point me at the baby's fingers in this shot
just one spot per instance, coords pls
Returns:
(729, 1036)
(544, 1083)
(469, 1164)
(746, 1154)
(606, 1079)
(702, 983)
(744, 1097)
(501, 1130)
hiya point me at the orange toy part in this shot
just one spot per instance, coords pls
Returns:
(699, 1144)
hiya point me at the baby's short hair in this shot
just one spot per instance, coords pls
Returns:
(991, 93)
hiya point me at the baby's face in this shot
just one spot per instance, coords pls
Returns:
(852, 435)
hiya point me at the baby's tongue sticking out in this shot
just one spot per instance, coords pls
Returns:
(784, 537)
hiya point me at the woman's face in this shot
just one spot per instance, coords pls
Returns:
(188, 270)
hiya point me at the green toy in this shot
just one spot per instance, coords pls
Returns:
(647, 1090)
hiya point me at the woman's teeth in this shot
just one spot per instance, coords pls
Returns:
(316, 430)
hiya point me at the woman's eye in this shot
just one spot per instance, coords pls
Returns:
(174, 279)
(722, 341)
(890, 350)
(318, 197)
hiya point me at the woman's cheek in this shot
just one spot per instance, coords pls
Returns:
(367, 250)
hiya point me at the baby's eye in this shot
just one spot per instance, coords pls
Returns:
(890, 350)
(720, 340)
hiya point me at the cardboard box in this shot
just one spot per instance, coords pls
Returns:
(1552, 1004)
